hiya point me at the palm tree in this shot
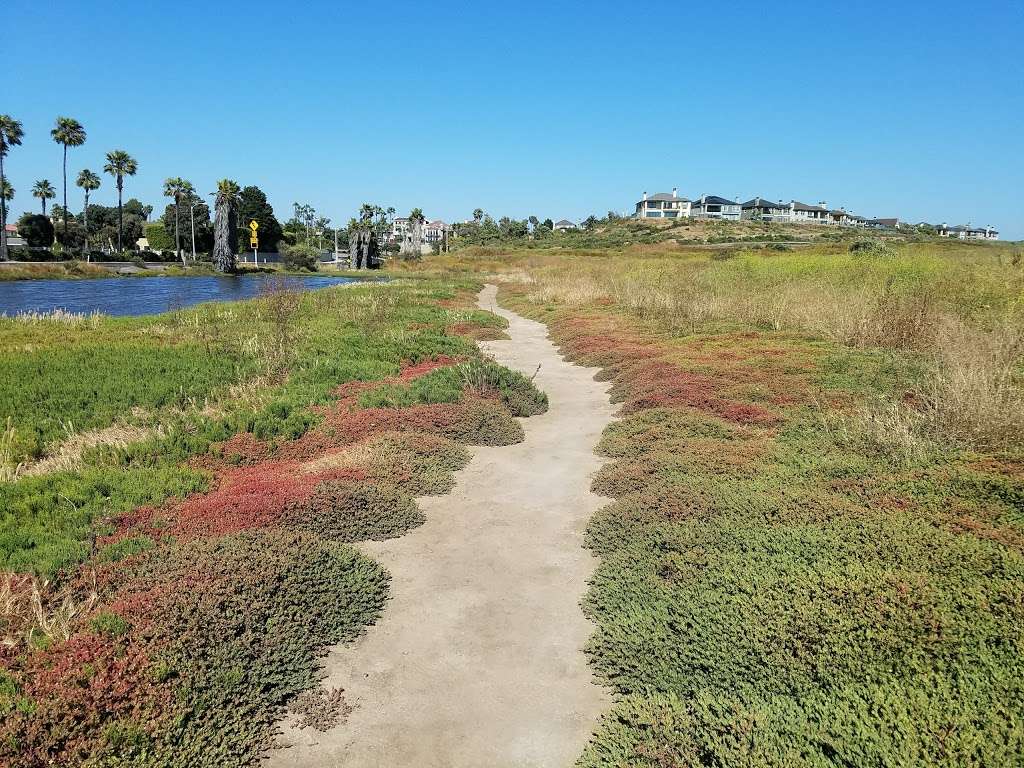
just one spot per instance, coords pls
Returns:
(478, 215)
(416, 219)
(11, 135)
(6, 193)
(90, 182)
(178, 188)
(44, 190)
(120, 164)
(225, 226)
(70, 133)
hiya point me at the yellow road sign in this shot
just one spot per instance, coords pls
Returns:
(254, 225)
(253, 242)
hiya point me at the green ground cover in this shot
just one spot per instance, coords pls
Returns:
(814, 553)
(201, 375)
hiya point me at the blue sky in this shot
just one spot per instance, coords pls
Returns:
(907, 109)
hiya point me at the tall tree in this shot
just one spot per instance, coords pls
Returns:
(225, 226)
(120, 164)
(178, 188)
(68, 132)
(44, 190)
(89, 182)
(11, 135)
(414, 247)
(253, 206)
(6, 191)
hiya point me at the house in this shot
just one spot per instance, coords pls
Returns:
(662, 205)
(843, 218)
(969, 233)
(884, 223)
(802, 213)
(398, 229)
(563, 225)
(435, 231)
(762, 209)
(713, 207)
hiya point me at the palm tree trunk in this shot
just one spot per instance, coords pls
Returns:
(3, 213)
(85, 217)
(224, 247)
(177, 237)
(120, 216)
(65, 196)
(44, 205)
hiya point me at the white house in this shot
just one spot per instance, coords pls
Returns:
(969, 233)
(662, 205)
(435, 231)
(713, 207)
(762, 209)
(802, 213)
(398, 229)
(843, 218)
(563, 225)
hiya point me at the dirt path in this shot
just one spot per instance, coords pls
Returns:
(477, 659)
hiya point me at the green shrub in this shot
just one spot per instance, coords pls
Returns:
(300, 256)
(109, 624)
(348, 511)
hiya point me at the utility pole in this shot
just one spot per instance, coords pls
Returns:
(192, 213)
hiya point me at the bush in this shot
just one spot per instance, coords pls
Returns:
(349, 511)
(157, 236)
(36, 254)
(871, 246)
(300, 257)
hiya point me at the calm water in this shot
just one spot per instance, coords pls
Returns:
(139, 296)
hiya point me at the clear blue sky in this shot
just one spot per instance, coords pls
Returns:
(910, 109)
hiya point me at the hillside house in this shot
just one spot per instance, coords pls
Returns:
(884, 224)
(802, 213)
(662, 205)
(762, 209)
(843, 218)
(714, 207)
(968, 232)
(564, 225)
(435, 231)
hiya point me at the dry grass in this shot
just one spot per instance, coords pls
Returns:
(67, 456)
(957, 311)
(61, 316)
(30, 607)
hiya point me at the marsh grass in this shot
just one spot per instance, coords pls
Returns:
(960, 310)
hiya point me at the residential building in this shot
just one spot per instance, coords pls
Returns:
(435, 231)
(713, 207)
(843, 218)
(802, 213)
(762, 209)
(968, 232)
(663, 205)
(884, 223)
(563, 225)
(398, 229)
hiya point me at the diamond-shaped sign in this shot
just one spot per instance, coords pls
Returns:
(254, 225)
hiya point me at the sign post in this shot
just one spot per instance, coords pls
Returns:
(254, 242)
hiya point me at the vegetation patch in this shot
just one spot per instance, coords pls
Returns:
(177, 590)
(809, 558)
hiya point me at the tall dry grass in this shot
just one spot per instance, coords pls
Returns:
(964, 316)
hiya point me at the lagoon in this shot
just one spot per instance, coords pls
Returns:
(143, 296)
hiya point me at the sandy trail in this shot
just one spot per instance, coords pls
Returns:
(477, 658)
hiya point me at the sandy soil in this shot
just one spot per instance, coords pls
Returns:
(477, 659)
